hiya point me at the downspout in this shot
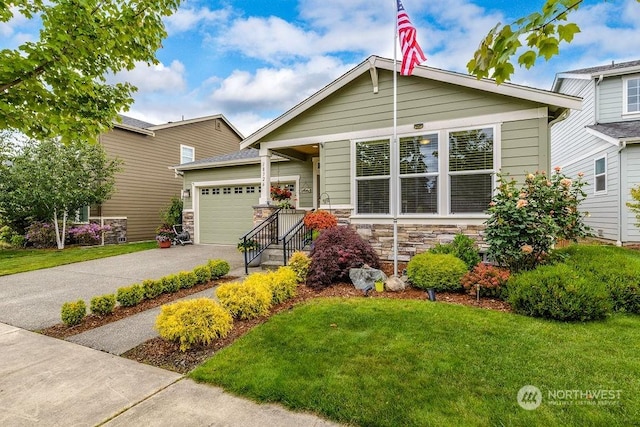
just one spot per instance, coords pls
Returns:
(596, 98)
(623, 145)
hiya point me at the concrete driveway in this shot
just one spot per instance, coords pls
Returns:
(33, 300)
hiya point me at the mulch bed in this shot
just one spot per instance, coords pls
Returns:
(92, 321)
(167, 355)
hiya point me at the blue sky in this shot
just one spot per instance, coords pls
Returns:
(251, 60)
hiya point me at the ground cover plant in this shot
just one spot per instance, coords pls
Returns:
(383, 362)
(14, 261)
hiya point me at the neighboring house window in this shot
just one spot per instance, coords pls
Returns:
(82, 215)
(373, 177)
(419, 174)
(632, 95)
(471, 170)
(187, 154)
(600, 175)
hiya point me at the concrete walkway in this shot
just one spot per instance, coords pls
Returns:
(46, 381)
(50, 382)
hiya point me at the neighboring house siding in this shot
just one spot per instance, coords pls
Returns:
(355, 107)
(631, 178)
(574, 87)
(252, 173)
(145, 185)
(610, 100)
(335, 172)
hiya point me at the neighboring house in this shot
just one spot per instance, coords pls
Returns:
(601, 141)
(146, 185)
(455, 132)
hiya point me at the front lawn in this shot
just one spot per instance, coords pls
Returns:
(390, 362)
(20, 260)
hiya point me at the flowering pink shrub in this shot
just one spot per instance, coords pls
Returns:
(526, 222)
(88, 234)
(41, 235)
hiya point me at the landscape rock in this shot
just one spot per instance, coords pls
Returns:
(395, 284)
(365, 278)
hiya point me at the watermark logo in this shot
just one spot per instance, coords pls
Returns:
(529, 397)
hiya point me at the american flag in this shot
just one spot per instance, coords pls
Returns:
(412, 54)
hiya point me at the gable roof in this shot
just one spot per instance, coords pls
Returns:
(146, 128)
(373, 63)
(243, 157)
(589, 73)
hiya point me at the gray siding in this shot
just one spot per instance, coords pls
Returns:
(355, 106)
(573, 87)
(610, 100)
(631, 178)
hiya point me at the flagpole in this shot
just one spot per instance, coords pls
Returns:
(394, 141)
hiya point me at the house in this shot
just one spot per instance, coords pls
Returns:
(146, 185)
(601, 141)
(335, 151)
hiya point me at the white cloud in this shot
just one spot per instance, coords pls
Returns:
(155, 78)
(186, 19)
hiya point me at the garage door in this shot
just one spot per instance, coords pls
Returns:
(226, 212)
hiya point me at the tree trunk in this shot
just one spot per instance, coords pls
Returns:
(60, 236)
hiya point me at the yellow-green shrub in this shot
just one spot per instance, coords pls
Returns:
(152, 288)
(170, 283)
(72, 313)
(245, 301)
(219, 268)
(197, 321)
(203, 273)
(300, 263)
(282, 283)
(129, 296)
(188, 279)
(103, 304)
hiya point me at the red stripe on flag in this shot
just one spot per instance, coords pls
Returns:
(412, 53)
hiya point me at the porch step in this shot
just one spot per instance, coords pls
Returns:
(272, 257)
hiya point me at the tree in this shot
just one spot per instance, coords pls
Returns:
(51, 180)
(544, 32)
(57, 86)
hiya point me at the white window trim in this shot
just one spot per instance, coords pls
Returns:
(193, 151)
(444, 186)
(606, 180)
(625, 105)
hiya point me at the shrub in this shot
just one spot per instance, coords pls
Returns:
(193, 322)
(245, 301)
(170, 283)
(337, 250)
(188, 279)
(558, 292)
(152, 288)
(203, 273)
(103, 305)
(320, 220)
(441, 272)
(88, 234)
(490, 278)
(219, 268)
(299, 263)
(72, 313)
(462, 247)
(130, 296)
(526, 222)
(282, 283)
(41, 235)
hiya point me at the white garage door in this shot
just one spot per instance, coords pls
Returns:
(226, 212)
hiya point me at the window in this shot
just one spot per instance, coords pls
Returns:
(470, 170)
(600, 175)
(215, 191)
(187, 154)
(632, 95)
(419, 174)
(251, 190)
(204, 191)
(373, 169)
(82, 215)
(226, 190)
(237, 190)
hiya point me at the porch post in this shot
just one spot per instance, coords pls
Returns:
(265, 176)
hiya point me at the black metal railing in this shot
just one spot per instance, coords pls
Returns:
(296, 239)
(259, 238)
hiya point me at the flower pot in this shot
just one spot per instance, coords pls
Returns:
(432, 294)
(164, 244)
(379, 286)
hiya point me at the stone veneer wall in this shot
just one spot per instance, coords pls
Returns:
(261, 212)
(412, 238)
(118, 232)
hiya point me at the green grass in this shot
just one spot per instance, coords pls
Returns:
(20, 260)
(401, 362)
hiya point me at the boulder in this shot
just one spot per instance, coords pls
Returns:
(366, 277)
(395, 284)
